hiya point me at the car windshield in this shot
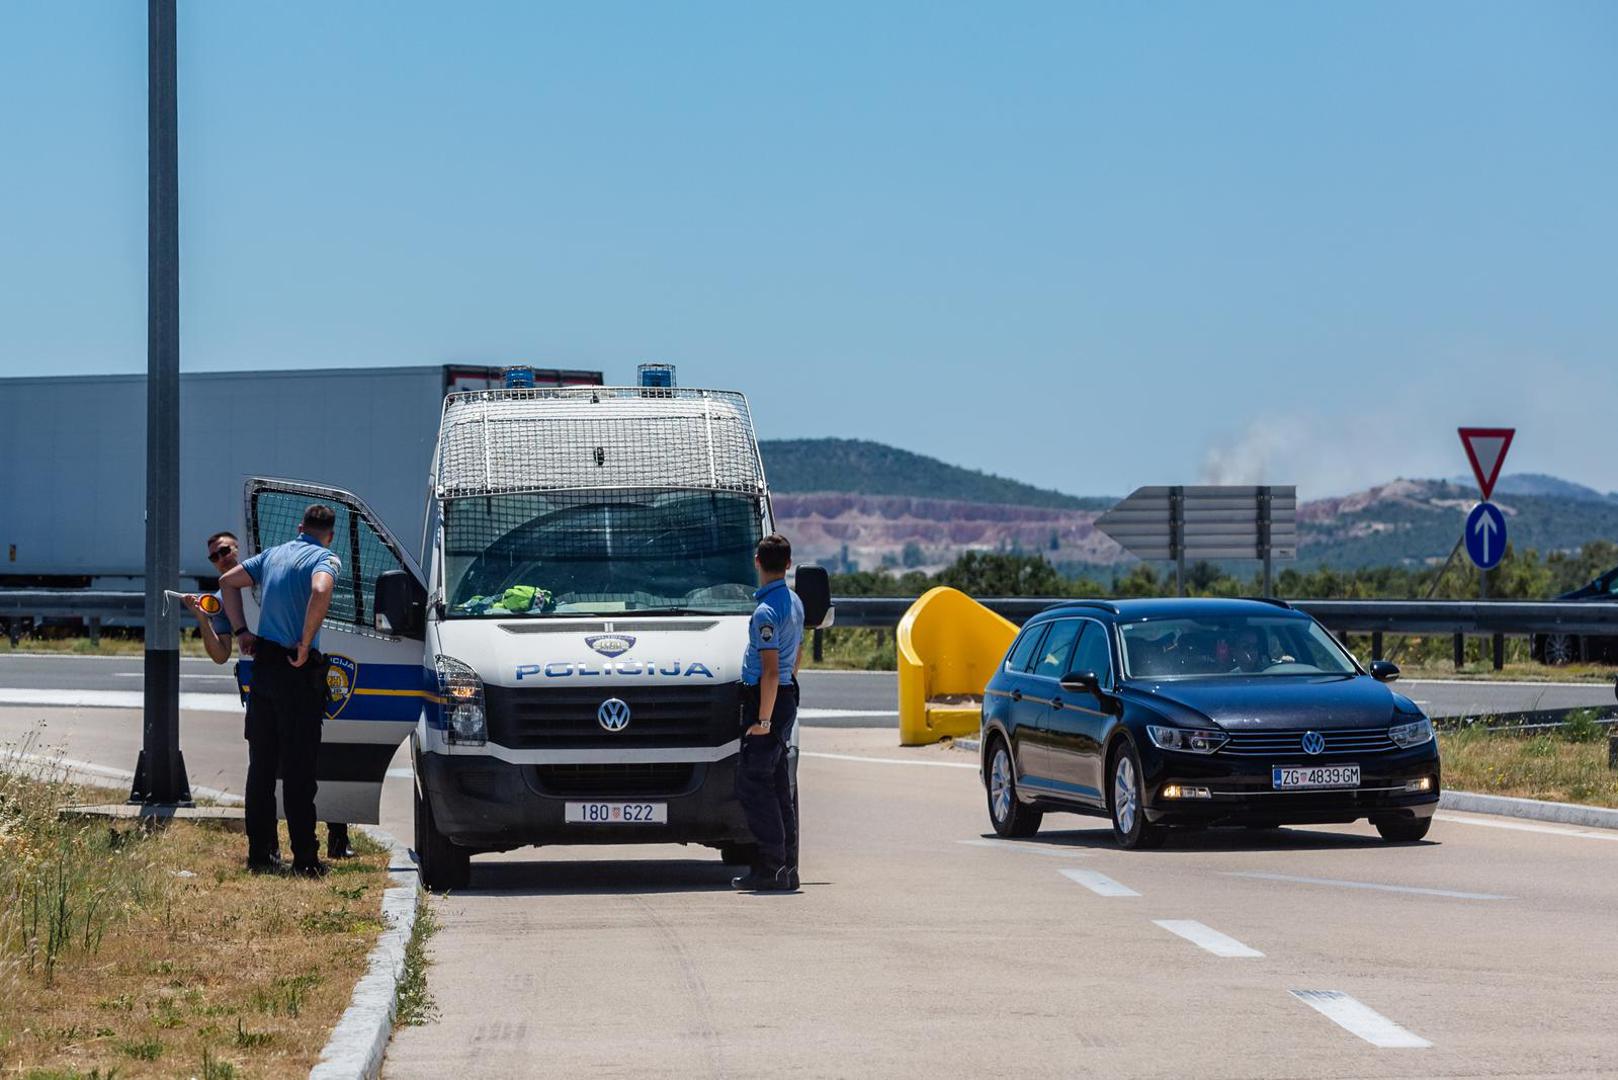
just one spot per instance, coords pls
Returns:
(582, 553)
(1214, 645)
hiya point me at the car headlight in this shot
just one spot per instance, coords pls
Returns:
(1405, 736)
(462, 692)
(1190, 740)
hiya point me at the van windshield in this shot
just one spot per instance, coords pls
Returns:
(1231, 645)
(590, 553)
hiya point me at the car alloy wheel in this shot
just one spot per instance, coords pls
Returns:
(1129, 824)
(1008, 815)
(1560, 649)
(1125, 795)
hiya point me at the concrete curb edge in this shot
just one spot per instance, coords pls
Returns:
(1559, 813)
(1594, 817)
(360, 1039)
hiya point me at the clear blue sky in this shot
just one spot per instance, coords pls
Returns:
(1087, 245)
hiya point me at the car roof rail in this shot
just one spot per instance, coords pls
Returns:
(1104, 605)
(1273, 601)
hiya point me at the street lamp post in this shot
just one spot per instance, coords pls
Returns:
(160, 773)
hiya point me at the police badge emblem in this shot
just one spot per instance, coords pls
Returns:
(341, 674)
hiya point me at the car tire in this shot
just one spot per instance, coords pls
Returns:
(1558, 650)
(1403, 830)
(1007, 814)
(444, 864)
(1126, 804)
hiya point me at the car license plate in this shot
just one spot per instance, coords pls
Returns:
(616, 813)
(1292, 777)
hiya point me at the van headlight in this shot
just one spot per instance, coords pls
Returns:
(462, 692)
(1415, 733)
(1188, 740)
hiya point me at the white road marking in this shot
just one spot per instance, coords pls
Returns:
(91, 772)
(1501, 682)
(1027, 849)
(1206, 937)
(889, 760)
(1098, 883)
(117, 699)
(1362, 1020)
(1523, 826)
(832, 714)
(1377, 886)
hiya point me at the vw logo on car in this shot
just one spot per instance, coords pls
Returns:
(1313, 742)
(613, 715)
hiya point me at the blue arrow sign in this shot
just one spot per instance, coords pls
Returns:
(1486, 535)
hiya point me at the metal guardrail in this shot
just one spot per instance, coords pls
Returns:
(1469, 617)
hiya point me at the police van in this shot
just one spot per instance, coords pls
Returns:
(566, 662)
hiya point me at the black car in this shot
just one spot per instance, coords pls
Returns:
(1571, 648)
(1160, 713)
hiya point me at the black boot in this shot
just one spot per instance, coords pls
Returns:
(764, 879)
(337, 841)
(265, 864)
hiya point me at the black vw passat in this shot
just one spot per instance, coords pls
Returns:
(1161, 713)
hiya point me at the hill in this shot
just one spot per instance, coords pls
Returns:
(862, 467)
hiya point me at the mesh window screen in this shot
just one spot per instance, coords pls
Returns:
(597, 551)
(596, 438)
(275, 517)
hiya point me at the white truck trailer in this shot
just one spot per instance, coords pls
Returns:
(566, 654)
(73, 466)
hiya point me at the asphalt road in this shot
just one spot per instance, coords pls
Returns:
(851, 699)
(921, 947)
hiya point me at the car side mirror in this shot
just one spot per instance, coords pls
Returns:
(1384, 670)
(401, 605)
(1087, 682)
(813, 586)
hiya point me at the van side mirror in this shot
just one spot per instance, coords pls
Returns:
(1384, 670)
(813, 586)
(401, 605)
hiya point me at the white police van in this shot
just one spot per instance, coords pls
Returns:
(567, 663)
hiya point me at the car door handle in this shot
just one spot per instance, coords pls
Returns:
(1016, 695)
(1056, 703)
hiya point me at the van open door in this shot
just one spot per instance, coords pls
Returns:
(376, 677)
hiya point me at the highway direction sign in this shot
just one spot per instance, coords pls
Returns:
(1485, 535)
(1228, 521)
(1486, 450)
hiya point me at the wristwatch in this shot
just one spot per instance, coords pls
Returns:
(239, 631)
(764, 722)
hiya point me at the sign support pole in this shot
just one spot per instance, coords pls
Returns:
(1264, 498)
(1177, 536)
(160, 771)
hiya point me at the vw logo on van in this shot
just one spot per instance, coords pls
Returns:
(613, 714)
(1313, 742)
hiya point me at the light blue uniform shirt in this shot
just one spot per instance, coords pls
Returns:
(777, 624)
(284, 575)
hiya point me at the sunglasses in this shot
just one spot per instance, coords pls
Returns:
(220, 553)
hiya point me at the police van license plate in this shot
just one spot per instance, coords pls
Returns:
(616, 813)
(1294, 777)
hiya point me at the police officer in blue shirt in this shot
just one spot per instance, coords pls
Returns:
(769, 709)
(287, 702)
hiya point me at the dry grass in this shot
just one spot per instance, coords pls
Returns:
(166, 958)
(1546, 766)
(113, 643)
(1518, 672)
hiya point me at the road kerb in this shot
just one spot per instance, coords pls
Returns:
(1590, 817)
(360, 1039)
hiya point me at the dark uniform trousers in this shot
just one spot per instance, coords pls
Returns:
(764, 779)
(285, 709)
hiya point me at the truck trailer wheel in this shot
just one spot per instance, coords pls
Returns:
(444, 865)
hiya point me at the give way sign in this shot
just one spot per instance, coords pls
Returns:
(1486, 450)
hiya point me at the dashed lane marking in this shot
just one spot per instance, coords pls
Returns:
(1362, 1020)
(1027, 849)
(1374, 885)
(1206, 937)
(1098, 883)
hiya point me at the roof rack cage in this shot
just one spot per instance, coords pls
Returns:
(1273, 601)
